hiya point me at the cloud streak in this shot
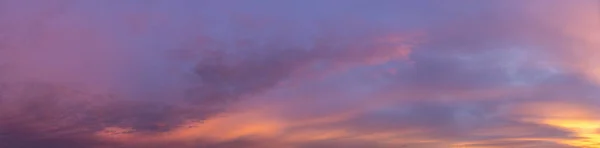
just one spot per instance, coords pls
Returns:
(310, 74)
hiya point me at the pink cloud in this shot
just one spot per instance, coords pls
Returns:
(298, 74)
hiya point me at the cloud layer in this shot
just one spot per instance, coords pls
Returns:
(299, 74)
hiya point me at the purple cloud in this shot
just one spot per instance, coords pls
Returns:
(266, 73)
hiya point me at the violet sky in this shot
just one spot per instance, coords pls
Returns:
(300, 73)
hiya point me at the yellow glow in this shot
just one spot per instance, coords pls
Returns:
(576, 118)
(586, 129)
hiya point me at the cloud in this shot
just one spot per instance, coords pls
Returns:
(268, 73)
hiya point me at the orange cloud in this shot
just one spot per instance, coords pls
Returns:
(580, 119)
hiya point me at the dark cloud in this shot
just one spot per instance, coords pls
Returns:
(81, 42)
(70, 69)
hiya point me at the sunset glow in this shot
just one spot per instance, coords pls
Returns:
(300, 74)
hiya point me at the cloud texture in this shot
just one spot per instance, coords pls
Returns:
(300, 74)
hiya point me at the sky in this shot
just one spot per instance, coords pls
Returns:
(300, 74)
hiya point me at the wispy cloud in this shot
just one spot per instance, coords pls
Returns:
(299, 74)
